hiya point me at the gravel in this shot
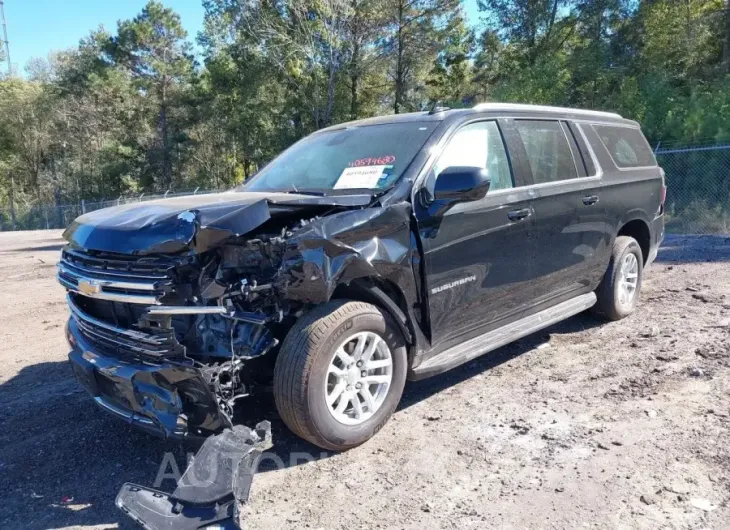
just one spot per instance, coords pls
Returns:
(509, 440)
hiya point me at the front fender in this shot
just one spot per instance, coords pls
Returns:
(337, 249)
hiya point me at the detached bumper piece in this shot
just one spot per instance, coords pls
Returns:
(209, 492)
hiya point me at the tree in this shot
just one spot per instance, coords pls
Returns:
(303, 41)
(726, 40)
(26, 127)
(412, 43)
(153, 47)
(488, 63)
(240, 80)
(450, 79)
(129, 111)
(533, 27)
(365, 27)
(596, 68)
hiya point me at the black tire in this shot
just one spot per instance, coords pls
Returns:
(303, 361)
(608, 303)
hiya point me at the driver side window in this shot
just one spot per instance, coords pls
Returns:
(479, 145)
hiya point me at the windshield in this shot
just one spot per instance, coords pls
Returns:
(363, 158)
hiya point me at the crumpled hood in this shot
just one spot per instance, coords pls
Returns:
(195, 222)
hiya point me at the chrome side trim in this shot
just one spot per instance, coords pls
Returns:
(131, 334)
(187, 310)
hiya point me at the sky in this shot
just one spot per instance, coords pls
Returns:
(38, 27)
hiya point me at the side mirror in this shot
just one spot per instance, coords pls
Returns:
(461, 184)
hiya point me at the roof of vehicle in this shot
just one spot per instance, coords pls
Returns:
(511, 109)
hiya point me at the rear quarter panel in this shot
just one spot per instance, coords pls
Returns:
(627, 194)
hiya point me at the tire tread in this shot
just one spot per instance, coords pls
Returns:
(606, 304)
(294, 363)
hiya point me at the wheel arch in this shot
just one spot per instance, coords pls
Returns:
(389, 297)
(638, 228)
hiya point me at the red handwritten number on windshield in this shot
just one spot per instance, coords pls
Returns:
(373, 161)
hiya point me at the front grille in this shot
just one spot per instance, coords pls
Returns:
(154, 344)
(116, 278)
(110, 293)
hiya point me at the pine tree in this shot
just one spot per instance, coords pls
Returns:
(153, 47)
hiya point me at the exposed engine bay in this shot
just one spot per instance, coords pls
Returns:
(230, 312)
(220, 313)
(178, 308)
(197, 294)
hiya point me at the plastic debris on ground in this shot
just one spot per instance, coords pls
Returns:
(216, 481)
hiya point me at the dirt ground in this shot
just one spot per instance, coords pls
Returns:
(586, 424)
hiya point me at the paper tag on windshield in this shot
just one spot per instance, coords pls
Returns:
(360, 177)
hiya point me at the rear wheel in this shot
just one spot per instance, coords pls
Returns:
(619, 290)
(340, 374)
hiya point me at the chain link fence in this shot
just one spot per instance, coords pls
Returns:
(698, 188)
(697, 178)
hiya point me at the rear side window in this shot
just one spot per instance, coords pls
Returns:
(626, 145)
(548, 151)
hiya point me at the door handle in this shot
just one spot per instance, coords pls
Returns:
(590, 200)
(519, 215)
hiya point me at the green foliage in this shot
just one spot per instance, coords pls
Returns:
(659, 62)
(450, 79)
(152, 48)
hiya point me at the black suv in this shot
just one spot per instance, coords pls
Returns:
(366, 254)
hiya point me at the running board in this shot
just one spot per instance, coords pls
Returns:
(473, 348)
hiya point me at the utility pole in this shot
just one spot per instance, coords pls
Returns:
(10, 71)
(5, 36)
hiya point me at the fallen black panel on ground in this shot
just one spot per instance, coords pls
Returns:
(218, 479)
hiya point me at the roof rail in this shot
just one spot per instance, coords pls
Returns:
(517, 106)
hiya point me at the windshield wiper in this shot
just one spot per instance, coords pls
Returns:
(305, 192)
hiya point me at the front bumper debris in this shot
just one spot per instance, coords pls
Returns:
(210, 491)
(166, 399)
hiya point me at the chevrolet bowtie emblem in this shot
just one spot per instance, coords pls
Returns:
(89, 287)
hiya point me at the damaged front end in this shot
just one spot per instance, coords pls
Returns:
(177, 309)
(175, 305)
(171, 342)
(177, 366)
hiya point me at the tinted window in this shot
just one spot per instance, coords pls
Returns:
(626, 145)
(547, 150)
(371, 157)
(479, 145)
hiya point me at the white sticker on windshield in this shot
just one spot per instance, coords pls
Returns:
(360, 177)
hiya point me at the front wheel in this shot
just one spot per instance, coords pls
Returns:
(619, 290)
(340, 374)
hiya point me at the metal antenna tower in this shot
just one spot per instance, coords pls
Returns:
(5, 35)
